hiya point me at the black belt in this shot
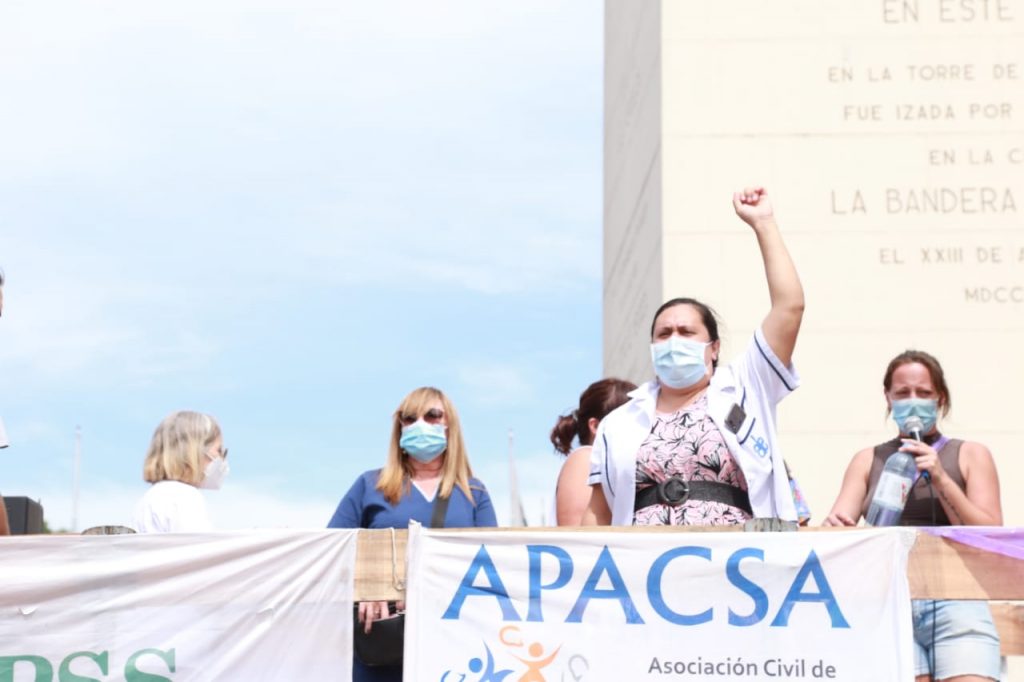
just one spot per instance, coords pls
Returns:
(674, 491)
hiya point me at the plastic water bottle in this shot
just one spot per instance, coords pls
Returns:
(893, 490)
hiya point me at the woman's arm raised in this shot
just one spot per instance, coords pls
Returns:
(782, 324)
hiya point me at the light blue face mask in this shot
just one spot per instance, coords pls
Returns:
(927, 410)
(679, 362)
(422, 441)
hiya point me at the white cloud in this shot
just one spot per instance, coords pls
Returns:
(182, 181)
(474, 234)
(491, 384)
(243, 505)
(384, 142)
(537, 474)
(71, 317)
(237, 506)
(140, 76)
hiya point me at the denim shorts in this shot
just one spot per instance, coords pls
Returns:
(964, 638)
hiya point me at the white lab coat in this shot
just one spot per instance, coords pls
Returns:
(756, 381)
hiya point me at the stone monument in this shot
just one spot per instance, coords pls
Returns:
(890, 135)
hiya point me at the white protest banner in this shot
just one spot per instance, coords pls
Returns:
(256, 605)
(552, 606)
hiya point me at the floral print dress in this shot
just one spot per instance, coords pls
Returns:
(687, 444)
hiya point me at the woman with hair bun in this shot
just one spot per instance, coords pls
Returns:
(573, 492)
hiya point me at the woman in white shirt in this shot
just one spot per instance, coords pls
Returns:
(697, 445)
(187, 453)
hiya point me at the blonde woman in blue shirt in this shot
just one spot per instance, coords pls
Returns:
(426, 459)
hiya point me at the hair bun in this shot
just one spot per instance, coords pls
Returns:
(564, 432)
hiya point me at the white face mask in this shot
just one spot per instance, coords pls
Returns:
(679, 362)
(216, 471)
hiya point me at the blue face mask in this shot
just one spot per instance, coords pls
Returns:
(422, 441)
(926, 410)
(679, 362)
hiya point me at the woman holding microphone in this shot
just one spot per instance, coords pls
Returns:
(957, 486)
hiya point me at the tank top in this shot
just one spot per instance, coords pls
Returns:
(918, 511)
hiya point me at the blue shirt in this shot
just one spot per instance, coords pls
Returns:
(366, 507)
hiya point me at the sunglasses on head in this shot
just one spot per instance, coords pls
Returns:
(431, 416)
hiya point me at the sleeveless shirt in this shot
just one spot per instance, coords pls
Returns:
(918, 511)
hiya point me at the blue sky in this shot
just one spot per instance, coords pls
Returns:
(289, 214)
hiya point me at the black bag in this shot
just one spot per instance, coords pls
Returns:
(385, 643)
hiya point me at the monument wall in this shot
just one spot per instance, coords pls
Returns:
(632, 181)
(890, 135)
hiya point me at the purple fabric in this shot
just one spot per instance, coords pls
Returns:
(1006, 541)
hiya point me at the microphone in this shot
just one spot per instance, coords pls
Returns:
(914, 426)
